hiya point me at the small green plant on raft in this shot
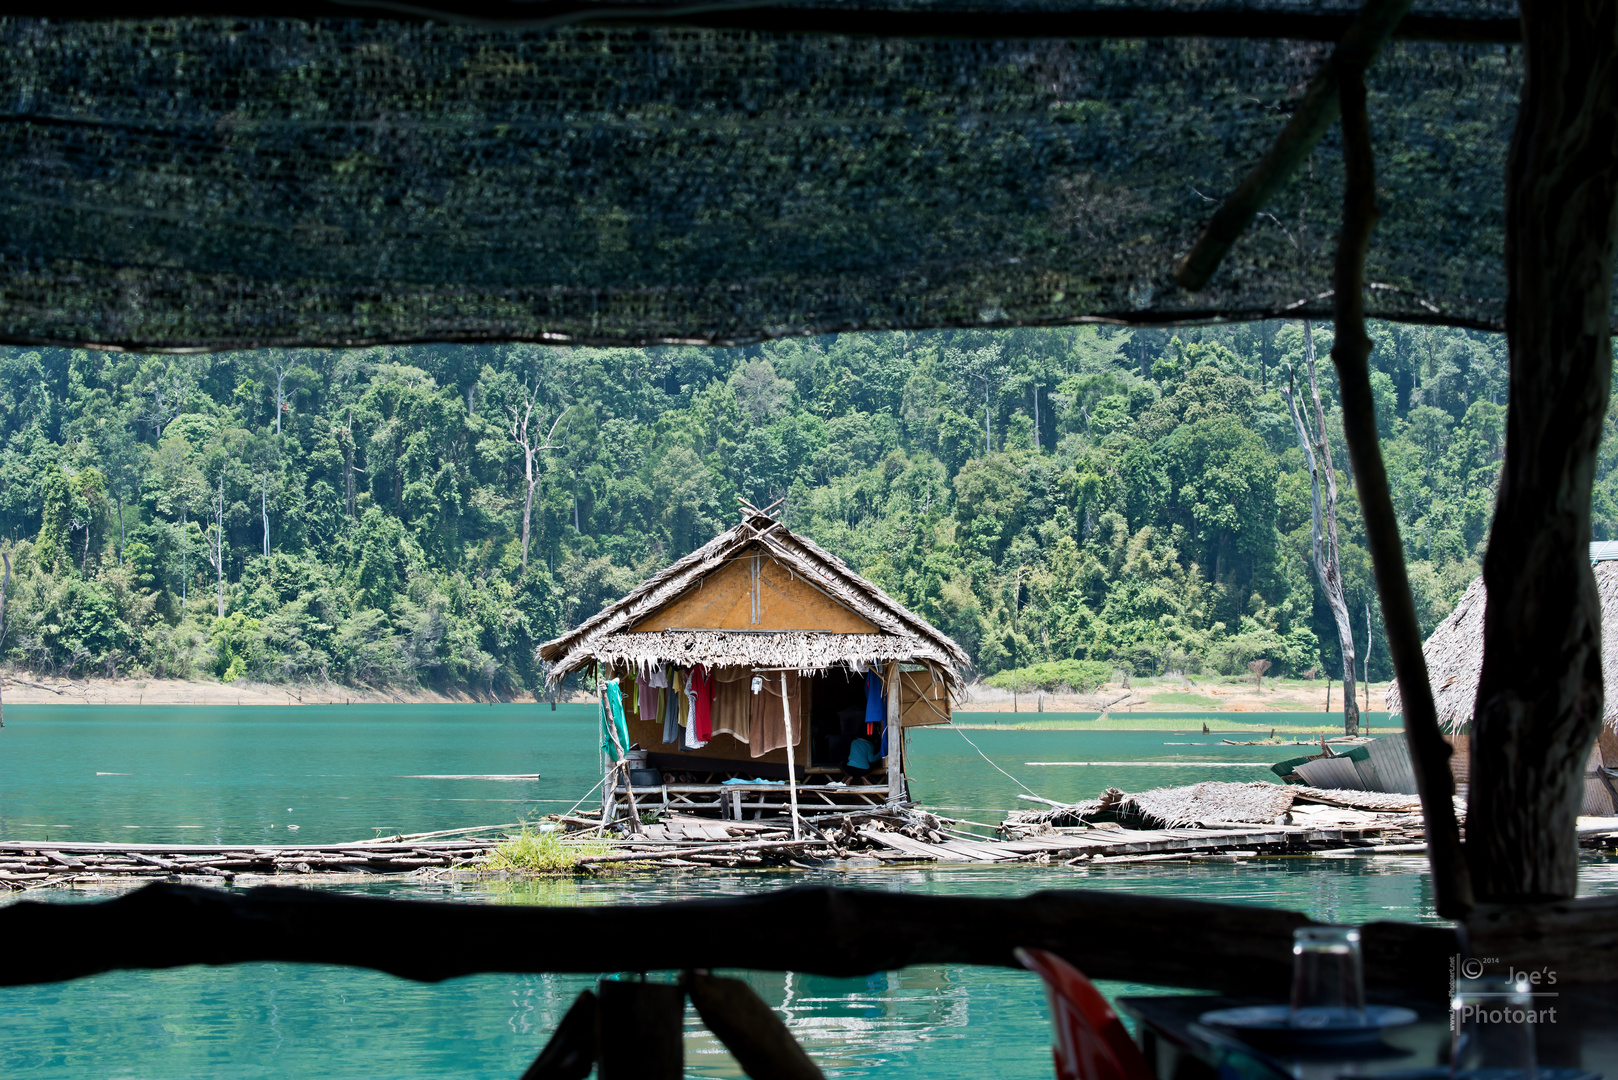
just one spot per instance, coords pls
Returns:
(543, 853)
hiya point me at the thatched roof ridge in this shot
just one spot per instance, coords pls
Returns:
(1454, 654)
(808, 650)
(902, 635)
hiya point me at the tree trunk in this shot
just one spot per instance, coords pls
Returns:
(1539, 702)
(219, 543)
(264, 511)
(1323, 526)
(120, 497)
(527, 515)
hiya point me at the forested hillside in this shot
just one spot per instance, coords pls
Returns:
(1134, 497)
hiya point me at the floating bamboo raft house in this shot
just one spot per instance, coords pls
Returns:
(758, 617)
(1454, 655)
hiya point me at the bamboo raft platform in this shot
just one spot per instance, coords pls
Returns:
(878, 835)
(31, 864)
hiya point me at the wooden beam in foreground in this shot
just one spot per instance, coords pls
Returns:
(1233, 948)
(982, 24)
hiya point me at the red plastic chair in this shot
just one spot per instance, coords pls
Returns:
(1091, 1042)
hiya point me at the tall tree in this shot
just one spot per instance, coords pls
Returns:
(1323, 522)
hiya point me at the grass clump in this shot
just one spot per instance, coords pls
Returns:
(541, 853)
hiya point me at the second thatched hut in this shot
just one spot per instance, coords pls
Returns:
(1454, 655)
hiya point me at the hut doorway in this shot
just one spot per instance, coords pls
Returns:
(836, 718)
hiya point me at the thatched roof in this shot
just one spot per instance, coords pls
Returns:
(608, 637)
(1210, 802)
(1214, 803)
(1455, 654)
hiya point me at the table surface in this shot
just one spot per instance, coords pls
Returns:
(1584, 1038)
(1172, 1019)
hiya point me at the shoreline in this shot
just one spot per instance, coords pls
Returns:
(29, 690)
(1113, 703)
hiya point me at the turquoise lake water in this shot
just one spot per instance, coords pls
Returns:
(352, 772)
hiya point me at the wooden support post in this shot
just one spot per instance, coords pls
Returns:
(640, 1031)
(896, 792)
(792, 765)
(1351, 350)
(571, 1053)
(750, 1030)
(1539, 700)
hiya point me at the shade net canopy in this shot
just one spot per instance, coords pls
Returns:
(221, 182)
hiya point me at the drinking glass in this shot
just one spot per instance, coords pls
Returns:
(1492, 1029)
(1328, 979)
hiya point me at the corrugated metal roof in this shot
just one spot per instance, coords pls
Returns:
(1603, 550)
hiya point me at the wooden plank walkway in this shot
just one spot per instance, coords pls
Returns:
(1108, 842)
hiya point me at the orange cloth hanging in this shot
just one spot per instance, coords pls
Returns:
(769, 721)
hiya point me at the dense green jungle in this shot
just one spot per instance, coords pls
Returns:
(1132, 500)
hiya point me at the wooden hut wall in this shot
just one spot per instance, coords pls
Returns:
(923, 697)
(754, 593)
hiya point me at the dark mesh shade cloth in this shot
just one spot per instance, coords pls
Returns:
(220, 183)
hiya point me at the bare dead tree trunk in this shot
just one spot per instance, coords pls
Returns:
(1323, 524)
(1539, 702)
(522, 433)
(216, 550)
(280, 394)
(264, 511)
(347, 433)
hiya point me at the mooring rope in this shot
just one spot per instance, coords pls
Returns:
(586, 795)
(1002, 772)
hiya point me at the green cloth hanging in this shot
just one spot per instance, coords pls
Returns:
(612, 720)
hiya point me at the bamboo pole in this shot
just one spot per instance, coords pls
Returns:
(792, 767)
(896, 792)
(1351, 350)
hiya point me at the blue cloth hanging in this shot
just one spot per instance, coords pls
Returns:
(876, 710)
(612, 722)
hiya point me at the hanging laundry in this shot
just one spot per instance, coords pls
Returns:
(658, 676)
(688, 698)
(672, 733)
(648, 698)
(733, 705)
(769, 721)
(876, 705)
(701, 691)
(681, 702)
(614, 732)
